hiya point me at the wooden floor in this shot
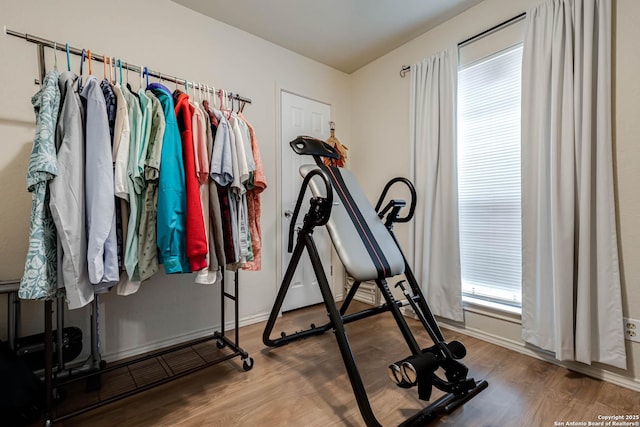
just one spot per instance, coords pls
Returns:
(305, 384)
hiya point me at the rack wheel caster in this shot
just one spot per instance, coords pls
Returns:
(247, 364)
(220, 344)
(103, 364)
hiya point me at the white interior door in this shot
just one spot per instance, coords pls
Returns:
(301, 116)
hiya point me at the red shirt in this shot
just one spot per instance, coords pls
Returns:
(196, 237)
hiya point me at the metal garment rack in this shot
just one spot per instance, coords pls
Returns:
(54, 381)
(64, 47)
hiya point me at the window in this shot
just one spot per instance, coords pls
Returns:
(489, 93)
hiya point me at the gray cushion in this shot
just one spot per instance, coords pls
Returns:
(350, 247)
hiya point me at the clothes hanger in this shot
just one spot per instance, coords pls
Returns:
(104, 67)
(68, 58)
(112, 79)
(228, 104)
(120, 66)
(89, 57)
(55, 56)
(82, 57)
(146, 73)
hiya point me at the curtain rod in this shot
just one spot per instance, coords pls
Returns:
(406, 68)
(137, 69)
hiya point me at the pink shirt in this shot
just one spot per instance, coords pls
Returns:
(253, 202)
(201, 157)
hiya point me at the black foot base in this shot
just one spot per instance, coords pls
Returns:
(445, 405)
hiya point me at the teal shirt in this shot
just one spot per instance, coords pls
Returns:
(172, 200)
(39, 280)
(141, 150)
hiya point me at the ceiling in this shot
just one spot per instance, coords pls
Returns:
(343, 34)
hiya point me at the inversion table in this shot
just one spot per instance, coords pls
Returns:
(370, 252)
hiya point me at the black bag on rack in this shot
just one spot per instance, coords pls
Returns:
(30, 349)
(21, 392)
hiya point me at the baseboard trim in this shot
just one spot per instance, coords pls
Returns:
(520, 347)
(178, 339)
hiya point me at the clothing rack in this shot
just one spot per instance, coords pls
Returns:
(97, 368)
(63, 47)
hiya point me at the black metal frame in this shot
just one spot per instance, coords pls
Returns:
(52, 383)
(459, 389)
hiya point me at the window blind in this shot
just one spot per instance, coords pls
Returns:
(489, 94)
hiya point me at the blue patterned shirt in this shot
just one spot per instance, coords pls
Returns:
(39, 280)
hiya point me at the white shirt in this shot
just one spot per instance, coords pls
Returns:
(121, 145)
(68, 197)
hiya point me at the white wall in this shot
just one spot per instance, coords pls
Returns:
(380, 126)
(174, 40)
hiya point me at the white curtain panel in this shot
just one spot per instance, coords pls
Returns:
(433, 138)
(571, 292)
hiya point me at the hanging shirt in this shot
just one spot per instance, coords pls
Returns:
(171, 220)
(68, 195)
(135, 142)
(147, 246)
(199, 132)
(216, 237)
(243, 164)
(221, 168)
(102, 254)
(253, 201)
(121, 141)
(110, 100)
(141, 151)
(196, 237)
(120, 159)
(39, 280)
(246, 138)
(244, 240)
(111, 106)
(221, 171)
(236, 191)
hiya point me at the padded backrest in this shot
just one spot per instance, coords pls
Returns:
(361, 240)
